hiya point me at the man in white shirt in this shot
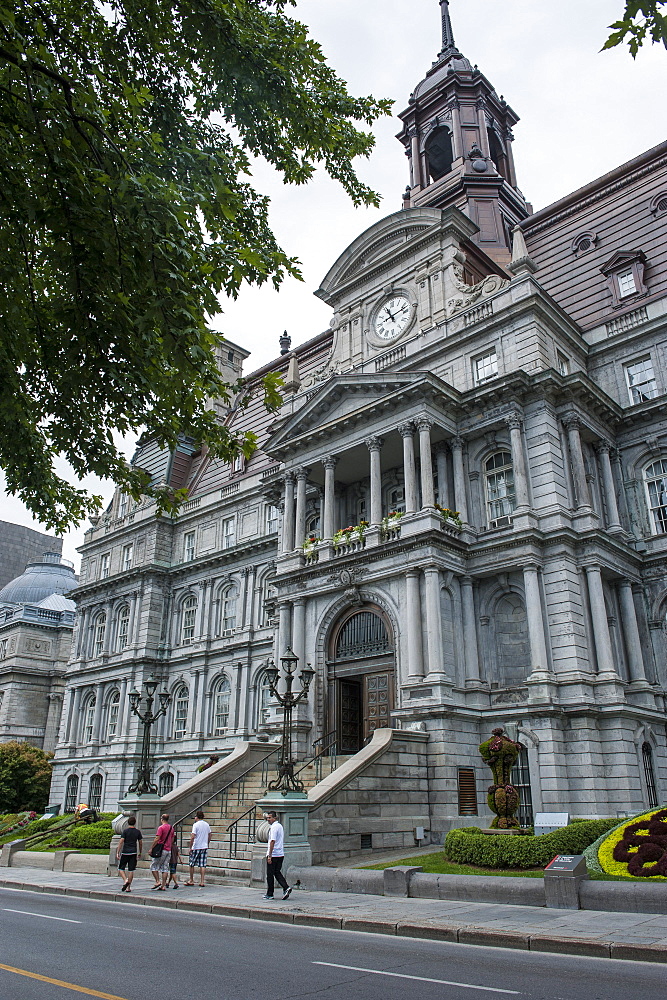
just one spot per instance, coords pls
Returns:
(275, 855)
(200, 838)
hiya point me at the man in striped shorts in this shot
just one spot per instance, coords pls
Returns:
(200, 838)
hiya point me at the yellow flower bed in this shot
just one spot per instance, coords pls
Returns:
(643, 836)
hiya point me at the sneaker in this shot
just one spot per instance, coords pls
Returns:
(176, 887)
(267, 897)
(288, 892)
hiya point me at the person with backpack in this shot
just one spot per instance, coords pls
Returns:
(160, 852)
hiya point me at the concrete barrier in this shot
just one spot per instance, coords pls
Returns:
(628, 897)
(479, 889)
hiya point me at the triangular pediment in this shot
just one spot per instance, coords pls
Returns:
(345, 398)
(622, 258)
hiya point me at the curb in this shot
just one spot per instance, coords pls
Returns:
(430, 931)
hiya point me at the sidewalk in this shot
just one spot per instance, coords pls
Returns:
(633, 936)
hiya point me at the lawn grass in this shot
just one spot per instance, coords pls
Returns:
(437, 864)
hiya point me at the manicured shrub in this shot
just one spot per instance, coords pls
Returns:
(469, 846)
(95, 835)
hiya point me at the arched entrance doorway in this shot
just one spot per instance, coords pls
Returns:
(361, 676)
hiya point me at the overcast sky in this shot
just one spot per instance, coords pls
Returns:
(582, 113)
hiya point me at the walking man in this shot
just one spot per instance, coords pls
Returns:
(128, 852)
(200, 838)
(275, 855)
(164, 836)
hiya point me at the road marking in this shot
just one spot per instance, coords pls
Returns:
(60, 982)
(421, 979)
(29, 913)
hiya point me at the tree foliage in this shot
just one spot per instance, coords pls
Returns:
(25, 777)
(127, 132)
(639, 22)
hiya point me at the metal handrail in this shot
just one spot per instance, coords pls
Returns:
(233, 829)
(240, 779)
(332, 746)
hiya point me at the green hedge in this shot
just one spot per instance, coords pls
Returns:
(469, 846)
(93, 835)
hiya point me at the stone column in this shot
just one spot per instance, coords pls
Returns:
(97, 718)
(414, 626)
(204, 702)
(469, 631)
(572, 424)
(457, 147)
(374, 444)
(539, 660)
(300, 516)
(299, 630)
(603, 648)
(441, 465)
(284, 629)
(416, 169)
(288, 514)
(460, 500)
(192, 703)
(66, 716)
(53, 715)
(425, 461)
(603, 450)
(73, 721)
(514, 422)
(123, 705)
(247, 611)
(327, 520)
(81, 644)
(109, 627)
(434, 654)
(201, 606)
(481, 121)
(409, 474)
(633, 643)
(131, 636)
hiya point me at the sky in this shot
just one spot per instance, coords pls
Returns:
(582, 113)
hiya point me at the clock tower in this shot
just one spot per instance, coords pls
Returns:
(457, 134)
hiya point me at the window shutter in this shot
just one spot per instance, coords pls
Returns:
(467, 792)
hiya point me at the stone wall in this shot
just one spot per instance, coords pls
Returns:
(19, 546)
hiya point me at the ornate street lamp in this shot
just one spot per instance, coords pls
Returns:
(286, 781)
(143, 785)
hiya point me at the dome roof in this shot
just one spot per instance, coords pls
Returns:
(51, 575)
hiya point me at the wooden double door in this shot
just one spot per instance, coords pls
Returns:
(364, 704)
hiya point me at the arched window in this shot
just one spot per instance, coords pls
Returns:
(511, 641)
(655, 477)
(181, 702)
(221, 707)
(189, 620)
(647, 757)
(439, 153)
(228, 609)
(313, 525)
(95, 792)
(499, 481)
(123, 627)
(71, 793)
(166, 783)
(100, 632)
(89, 719)
(364, 634)
(498, 154)
(520, 778)
(112, 715)
(264, 697)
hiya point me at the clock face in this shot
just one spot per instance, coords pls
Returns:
(392, 318)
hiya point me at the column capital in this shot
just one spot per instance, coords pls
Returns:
(514, 420)
(571, 421)
(424, 423)
(301, 473)
(603, 446)
(406, 429)
(374, 443)
(456, 442)
(330, 461)
(467, 580)
(441, 448)
(288, 477)
(412, 572)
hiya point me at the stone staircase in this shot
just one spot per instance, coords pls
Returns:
(230, 862)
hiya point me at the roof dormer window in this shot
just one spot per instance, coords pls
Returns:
(625, 276)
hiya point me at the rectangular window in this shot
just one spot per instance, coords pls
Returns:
(189, 546)
(112, 724)
(104, 566)
(123, 504)
(656, 483)
(3, 648)
(520, 778)
(467, 791)
(228, 532)
(485, 367)
(271, 519)
(128, 552)
(626, 283)
(641, 380)
(563, 364)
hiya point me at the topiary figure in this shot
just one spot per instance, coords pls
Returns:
(500, 753)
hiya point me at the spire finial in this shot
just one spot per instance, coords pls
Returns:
(448, 43)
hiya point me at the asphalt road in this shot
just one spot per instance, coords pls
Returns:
(145, 953)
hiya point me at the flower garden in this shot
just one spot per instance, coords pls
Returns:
(635, 848)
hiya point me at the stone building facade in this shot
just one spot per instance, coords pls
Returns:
(19, 546)
(458, 518)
